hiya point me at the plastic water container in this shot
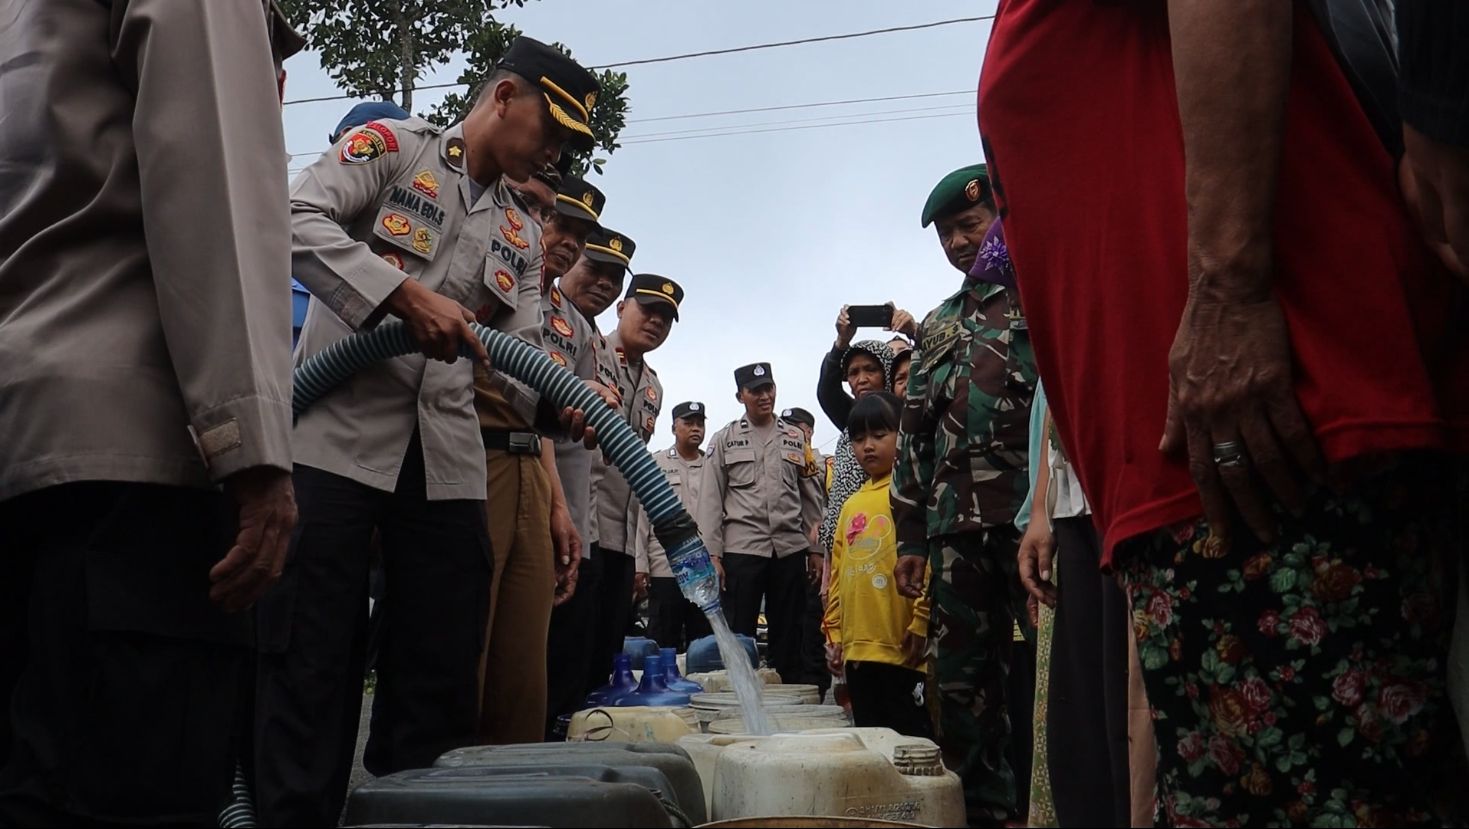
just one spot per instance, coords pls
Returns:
(872, 773)
(715, 681)
(782, 723)
(820, 716)
(694, 572)
(621, 685)
(585, 796)
(673, 762)
(704, 654)
(632, 725)
(671, 676)
(782, 694)
(653, 690)
(638, 648)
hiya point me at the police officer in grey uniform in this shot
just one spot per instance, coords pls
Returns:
(406, 219)
(673, 621)
(144, 362)
(645, 318)
(813, 642)
(756, 511)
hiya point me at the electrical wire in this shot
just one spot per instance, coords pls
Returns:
(708, 53)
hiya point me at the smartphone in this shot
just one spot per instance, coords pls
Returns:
(870, 316)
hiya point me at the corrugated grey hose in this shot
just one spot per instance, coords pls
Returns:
(332, 366)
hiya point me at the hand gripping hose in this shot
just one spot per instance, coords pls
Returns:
(672, 524)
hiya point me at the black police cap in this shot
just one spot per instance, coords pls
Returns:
(571, 91)
(652, 289)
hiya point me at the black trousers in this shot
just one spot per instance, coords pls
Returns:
(1087, 718)
(888, 696)
(673, 621)
(569, 645)
(313, 632)
(781, 584)
(123, 686)
(613, 610)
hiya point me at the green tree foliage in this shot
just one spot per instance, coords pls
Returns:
(382, 49)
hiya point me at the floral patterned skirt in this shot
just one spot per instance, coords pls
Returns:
(1302, 683)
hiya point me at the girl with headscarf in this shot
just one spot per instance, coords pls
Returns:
(867, 367)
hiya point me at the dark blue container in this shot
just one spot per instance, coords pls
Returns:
(673, 678)
(300, 298)
(704, 655)
(621, 684)
(653, 690)
(638, 647)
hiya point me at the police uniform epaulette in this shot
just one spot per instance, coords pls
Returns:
(413, 124)
(515, 196)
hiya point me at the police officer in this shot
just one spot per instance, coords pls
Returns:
(523, 482)
(673, 621)
(144, 339)
(572, 305)
(406, 219)
(645, 318)
(756, 512)
(813, 642)
(959, 480)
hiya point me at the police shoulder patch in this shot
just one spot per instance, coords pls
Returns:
(372, 141)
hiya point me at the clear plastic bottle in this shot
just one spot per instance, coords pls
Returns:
(695, 573)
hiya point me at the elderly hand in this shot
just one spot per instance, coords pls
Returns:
(845, 329)
(1233, 409)
(1435, 182)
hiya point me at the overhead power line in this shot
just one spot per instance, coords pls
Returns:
(782, 107)
(795, 127)
(708, 53)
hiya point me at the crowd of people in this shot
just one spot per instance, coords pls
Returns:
(1205, 573)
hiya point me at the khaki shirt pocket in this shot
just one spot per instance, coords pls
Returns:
(741, 468)
(401, 230)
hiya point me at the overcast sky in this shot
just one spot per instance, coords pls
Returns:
(771, 232)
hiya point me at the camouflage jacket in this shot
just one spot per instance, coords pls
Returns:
(965, 433)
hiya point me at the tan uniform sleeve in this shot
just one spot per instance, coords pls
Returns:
(641, 530)
(212, 173)
(710, 515)
(340, 271)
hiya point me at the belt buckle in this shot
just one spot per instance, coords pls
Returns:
(525, 443)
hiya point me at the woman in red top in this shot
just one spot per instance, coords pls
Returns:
(1217, 270)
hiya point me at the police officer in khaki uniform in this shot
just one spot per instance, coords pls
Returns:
(673, 621)
(813, 642)
(144, 361)
(645, 318)
(756, 511)
(591, 287)
(403, 218)
(523, 482)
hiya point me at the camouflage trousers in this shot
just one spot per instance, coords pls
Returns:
(976, 600)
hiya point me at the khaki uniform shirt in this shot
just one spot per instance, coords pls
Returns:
(393, 201)
(756, 498)
(642, 399)
(144, 252)
(685, 477)
(604, 364)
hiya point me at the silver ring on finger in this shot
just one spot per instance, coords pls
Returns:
(1229, 454)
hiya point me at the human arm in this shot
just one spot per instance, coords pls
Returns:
(834, 399)
(1230, 364)
(219, 303)
(912, 475)
(1038, 545)
(565, 539)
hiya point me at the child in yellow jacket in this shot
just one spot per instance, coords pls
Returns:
(872, 631)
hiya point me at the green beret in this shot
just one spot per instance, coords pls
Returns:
(959, 190)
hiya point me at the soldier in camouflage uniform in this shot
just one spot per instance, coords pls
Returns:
(960, 477)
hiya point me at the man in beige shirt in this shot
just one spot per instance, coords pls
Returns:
(401, 217)
(756, 510)
(645, 318)
(673, 621)
(144, 339)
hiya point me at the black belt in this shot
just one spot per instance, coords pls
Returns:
(516, 443)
